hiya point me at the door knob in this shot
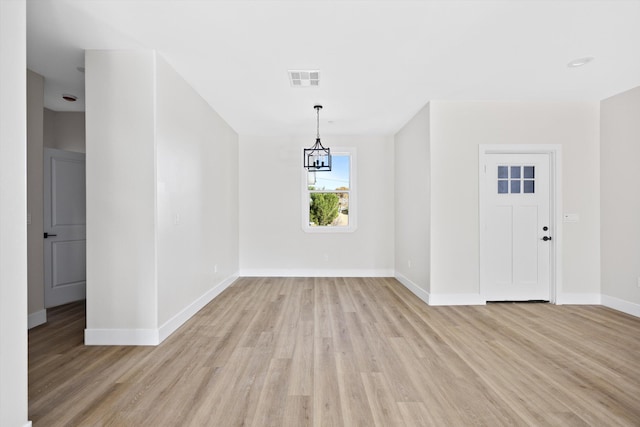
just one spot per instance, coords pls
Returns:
(49, 235)
(545, 238)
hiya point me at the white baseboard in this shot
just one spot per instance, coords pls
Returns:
(440, 299)
(562, 299)
(621, 305)
(36, 319)
(456, 299)
(187, 313)
(268, 272)
(578, 299)
(28, 424)
(121, 337)
(413, 287)
(154, 336)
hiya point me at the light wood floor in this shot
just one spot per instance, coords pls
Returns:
(352, 352)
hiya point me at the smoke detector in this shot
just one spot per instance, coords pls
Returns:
(304, 78)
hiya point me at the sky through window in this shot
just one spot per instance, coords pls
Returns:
(338, 177)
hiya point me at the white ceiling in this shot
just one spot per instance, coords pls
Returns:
(380, 61)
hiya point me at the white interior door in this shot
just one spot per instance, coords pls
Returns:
(65, 227)
(516, 238)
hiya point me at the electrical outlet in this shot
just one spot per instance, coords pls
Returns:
(639, 282)
(215, 268)
(409, 263)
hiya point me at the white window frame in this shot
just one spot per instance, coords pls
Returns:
(353, 209)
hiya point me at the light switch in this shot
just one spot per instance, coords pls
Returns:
(569, 217)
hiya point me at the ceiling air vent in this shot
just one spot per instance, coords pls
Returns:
(304, 78)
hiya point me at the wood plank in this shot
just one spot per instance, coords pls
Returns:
(273, 397)
(327, 408)
(384, 409)
(301, 383)
(298, 411)
(355, 406)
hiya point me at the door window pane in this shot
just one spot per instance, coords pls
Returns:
(515, 171)
(503, 186)
(515, 186)
(529, 186)
(503, 172)
(529, 171)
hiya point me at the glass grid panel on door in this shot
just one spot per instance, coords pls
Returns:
(516, 179)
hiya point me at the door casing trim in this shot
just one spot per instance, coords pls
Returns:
(554, 151)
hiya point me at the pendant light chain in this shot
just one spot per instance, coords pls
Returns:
(318, 122)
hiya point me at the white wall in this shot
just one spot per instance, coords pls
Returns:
(35, 115)
(456, 130)
(64, 130)
(49, 131)
(620, 204)
(197, 173)
(121, 191)
(13, 212)
(413, 203)
(272, 241)
(162, 188)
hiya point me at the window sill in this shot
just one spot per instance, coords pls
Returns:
(325, 229)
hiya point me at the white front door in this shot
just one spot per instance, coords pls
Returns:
(516, 237)
(65, 227)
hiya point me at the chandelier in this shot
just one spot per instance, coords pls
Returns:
(317, 158)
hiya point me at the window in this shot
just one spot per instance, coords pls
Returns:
(329, 199)
(516, 179)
